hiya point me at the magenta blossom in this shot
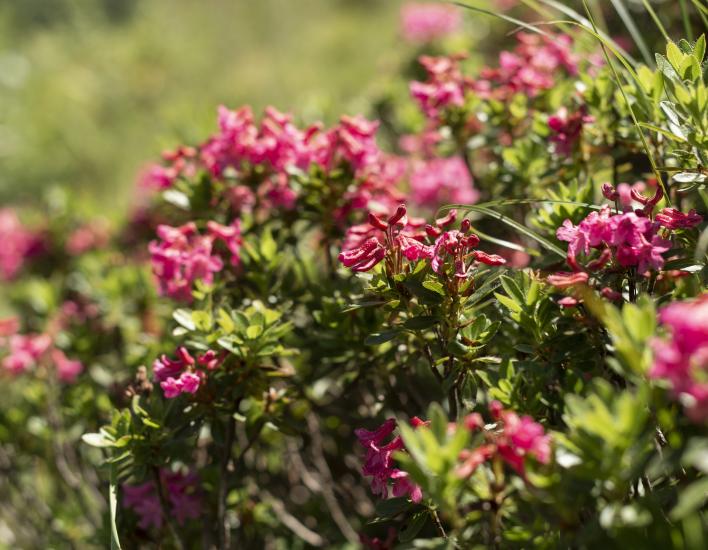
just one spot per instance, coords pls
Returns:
(674, 219)
(633, 241)
(682, 358)
(67, 369)
(180, 258)
(445, 87)
(183, 496)
(17, 243)
(379, 462)
(441, 181)
(513, 438)
(566, 129)
(425, 22)
(25, 350)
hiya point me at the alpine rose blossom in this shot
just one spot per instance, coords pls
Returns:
(425, 22)
(379, 463)
(17, 244)
(513, 438)
(180, 258)
(441, 181)
(682, 358)
(184, 499)
(633, 241)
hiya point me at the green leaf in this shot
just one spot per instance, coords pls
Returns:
(380, 337)
(97, 440)
(421, 323)
(434, 286)
(392, 506)
(691, 499)
(409, 532)
(184, 318)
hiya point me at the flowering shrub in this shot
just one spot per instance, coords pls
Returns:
(249, 359)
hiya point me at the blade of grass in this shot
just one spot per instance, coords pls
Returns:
(577, 18)
(656, 19)
(633, 31)
(518, 227)
(518, 22)
(506, 244)
(702, 11)
(652, 161)
(687, 28)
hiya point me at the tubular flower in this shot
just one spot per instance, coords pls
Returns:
(673, 219)
(566, 129)
(633, 240)
(182, 375)
(379, 464)
(529, 69)
(445, 87)
(682, 358)
(566, 280)
(513, 438)
(367, 244)
(25, 350)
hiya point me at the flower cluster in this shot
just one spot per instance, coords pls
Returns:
(445, 88)
(439, 181)
(182, 375)
(632, 240)
(265, 155)
(426, 22)
(398, 238)
(379, 462)
(25, 352)
(682, 359)
(182, 494)
(18, 243)
(530, 69)
(513, 438)
(183, 256)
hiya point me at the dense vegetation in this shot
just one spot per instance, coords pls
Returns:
(476, 317)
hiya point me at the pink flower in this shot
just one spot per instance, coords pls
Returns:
(425, 22)
(17, 243)
(230, 235)
(164, 367)
(566, 129)
(172, 388)
(25, 350)
(183, 495)
(529, 69)
(145, 502)
(633, 240)
(180, 258)
(88, 237)
(674, 219)
(514, 438)
(440, 181)
(566, 280)
(68, 370)
(444, 88)
(379, 461)
(682, 359)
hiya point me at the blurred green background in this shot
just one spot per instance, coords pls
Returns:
(91, 90)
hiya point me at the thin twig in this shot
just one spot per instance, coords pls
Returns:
(292, 523)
